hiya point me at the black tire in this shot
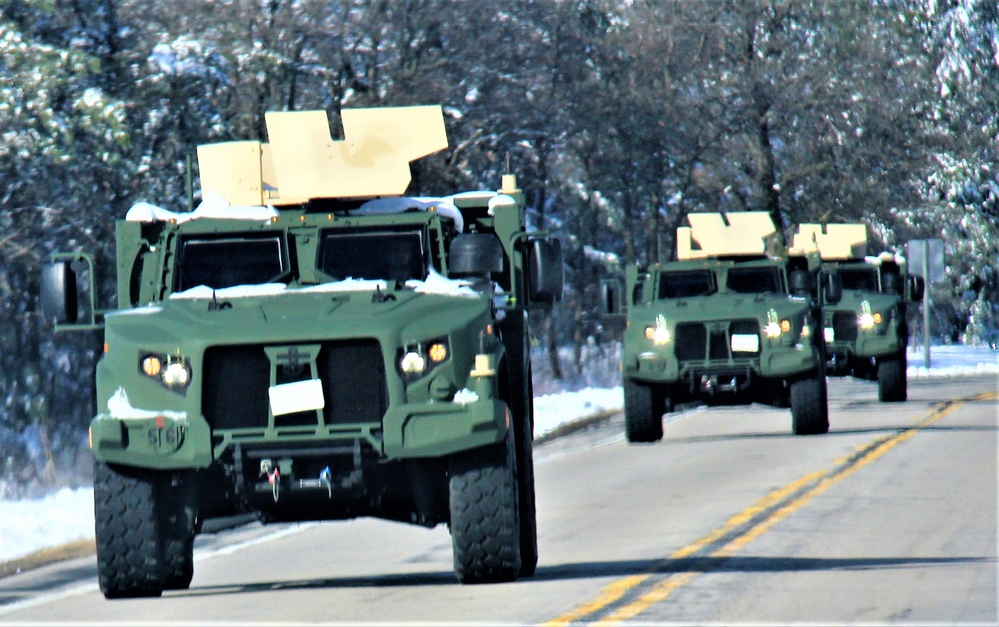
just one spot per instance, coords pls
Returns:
(644, 406)
(892, 380)
(485, 529)
(178, 519)
(809, 406)
(127, 529)
(527, 506)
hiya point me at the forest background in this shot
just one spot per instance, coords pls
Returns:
(618, 116)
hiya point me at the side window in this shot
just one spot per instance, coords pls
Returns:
(220, 261)
(636, 292)
(755, 280)
(864, 280)
(372, 254)
(686, 284)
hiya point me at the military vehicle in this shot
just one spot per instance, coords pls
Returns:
(734, 319)
(309, 344)
(867, 331)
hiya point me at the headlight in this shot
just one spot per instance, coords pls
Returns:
(172, 371)
(867, 319)
(775, 326)
(412, 363)
(415, 360)
(658, 334)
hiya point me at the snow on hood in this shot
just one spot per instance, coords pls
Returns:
(213, 206)
(135, 311)
(237, 291)
(439, 284)
(434, 284)
(120, 408)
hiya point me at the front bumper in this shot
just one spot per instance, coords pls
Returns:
(663, 367)
(169, 441)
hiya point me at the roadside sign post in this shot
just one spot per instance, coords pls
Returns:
(927, 254)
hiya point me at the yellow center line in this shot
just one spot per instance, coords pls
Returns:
(820, 481)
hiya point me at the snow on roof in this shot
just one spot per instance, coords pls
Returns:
(213, 206)
(399, 204)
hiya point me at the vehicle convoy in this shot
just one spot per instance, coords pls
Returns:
(733, 319)
(867, 331)
(310, 344)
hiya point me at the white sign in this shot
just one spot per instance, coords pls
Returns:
(745, 343)
(915, 251)
(288, 398)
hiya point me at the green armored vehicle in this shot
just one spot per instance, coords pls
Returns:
(867, 331)
(310, 345)
(727, 322)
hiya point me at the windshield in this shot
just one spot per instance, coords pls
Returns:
(364, 254)
(220, 261)
(686, 284)
(864, 279)
(758, 280)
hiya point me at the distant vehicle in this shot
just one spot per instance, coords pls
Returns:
(728, 321)
(309, 344)
(867, 331)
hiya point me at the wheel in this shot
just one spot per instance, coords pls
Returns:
(644, 406)
(485, 529)
(809, 406)
(128, 532)
(525, 489)
(892, 380)
(178, 519)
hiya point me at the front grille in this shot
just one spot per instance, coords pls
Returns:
(234, 395)
(691, 341)
(696, 341)
(237, 378)
(353, 375)
(845, 326)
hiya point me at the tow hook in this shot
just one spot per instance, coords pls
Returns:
(268, 468)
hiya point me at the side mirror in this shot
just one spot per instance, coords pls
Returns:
(833, 287)
(891, 283)
(802, 282)
(58, 297)
(475, 255)
(610, 297)
(545, 272)
(917, 287)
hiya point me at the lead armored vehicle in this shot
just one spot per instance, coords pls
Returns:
(734, 319)
(867, 331)
(309, 344)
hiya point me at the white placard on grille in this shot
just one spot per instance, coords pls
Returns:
(288, 398)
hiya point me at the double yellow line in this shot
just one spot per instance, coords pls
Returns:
(647, 589)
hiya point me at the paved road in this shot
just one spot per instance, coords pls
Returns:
(891, 517)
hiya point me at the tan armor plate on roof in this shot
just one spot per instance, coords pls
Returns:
(832, 241)
(717, 234)
(302, 161)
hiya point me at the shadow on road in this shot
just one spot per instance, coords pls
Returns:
(593, 570)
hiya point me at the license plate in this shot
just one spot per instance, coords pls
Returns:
(745, 343)
(288, 398)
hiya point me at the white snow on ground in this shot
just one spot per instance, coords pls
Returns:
(68, 515)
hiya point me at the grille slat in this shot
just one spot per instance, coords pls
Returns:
(691, 341)
(353, 376)
(845, 326)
